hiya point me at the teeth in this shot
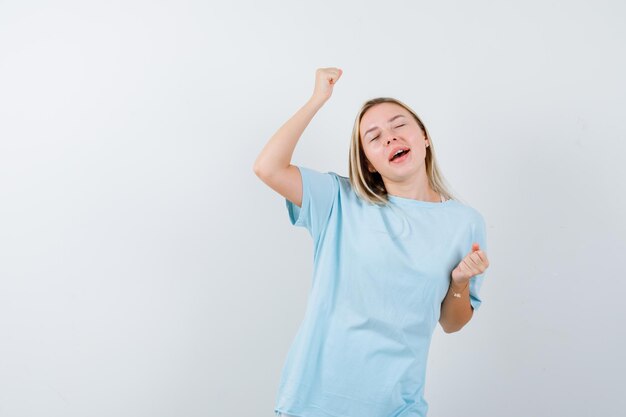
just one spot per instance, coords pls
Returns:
(397, 153)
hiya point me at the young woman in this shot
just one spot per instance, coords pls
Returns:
(394, 253)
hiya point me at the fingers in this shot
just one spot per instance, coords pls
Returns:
(477, 262)
(480, 256)
(474, 263)
(331, 74)
(325, 79)
(332, 70)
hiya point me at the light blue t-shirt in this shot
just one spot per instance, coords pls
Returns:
(380, 275)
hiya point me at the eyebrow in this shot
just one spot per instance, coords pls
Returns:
(376, 127)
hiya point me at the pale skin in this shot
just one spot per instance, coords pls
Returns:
(383, 128)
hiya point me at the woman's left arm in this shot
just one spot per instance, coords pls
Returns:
(456, 309)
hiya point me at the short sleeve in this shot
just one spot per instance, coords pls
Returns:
(319, 193)
(479, 235)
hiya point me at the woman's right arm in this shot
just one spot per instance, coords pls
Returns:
(273, 165)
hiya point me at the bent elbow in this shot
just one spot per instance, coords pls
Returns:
(449, 329)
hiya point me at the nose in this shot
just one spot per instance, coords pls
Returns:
(390, 139)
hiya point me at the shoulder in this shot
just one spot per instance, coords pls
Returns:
(468, 212)
(346, 193)
(339, 177)
(342, 181)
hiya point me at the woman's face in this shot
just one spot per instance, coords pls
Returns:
(385, 128)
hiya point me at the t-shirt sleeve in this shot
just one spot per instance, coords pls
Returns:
(319, 192)
(479, 235)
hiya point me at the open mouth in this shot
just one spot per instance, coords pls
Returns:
(400, 156)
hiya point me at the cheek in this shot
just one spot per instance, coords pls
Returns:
(375, 155)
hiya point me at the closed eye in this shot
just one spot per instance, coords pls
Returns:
(396, 128)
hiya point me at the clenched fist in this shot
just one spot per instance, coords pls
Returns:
(473, 264)
(325, 79)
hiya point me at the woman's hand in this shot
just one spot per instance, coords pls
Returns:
(473, 264)
(325, 79)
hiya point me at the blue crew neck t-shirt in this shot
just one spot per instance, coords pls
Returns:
(380, 275)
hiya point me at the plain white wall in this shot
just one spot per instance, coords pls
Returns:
(146, 271)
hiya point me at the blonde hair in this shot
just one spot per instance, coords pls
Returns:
(369, 186)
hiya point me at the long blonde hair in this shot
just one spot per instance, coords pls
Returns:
(369, 186)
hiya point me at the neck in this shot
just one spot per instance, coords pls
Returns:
(415, 188)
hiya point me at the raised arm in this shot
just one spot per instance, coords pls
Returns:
(273, 165)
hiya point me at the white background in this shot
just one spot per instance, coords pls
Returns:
(146, 271)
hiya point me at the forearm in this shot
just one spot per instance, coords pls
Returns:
(456, 311)
(278, 151)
